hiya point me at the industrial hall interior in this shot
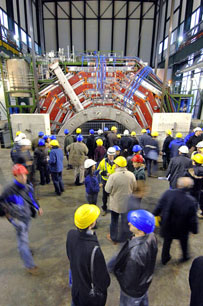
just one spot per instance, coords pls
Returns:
(101, 152)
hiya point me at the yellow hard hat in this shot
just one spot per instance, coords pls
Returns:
(113, 128)
(143, 131)
(179, 135)
(133, 133)
(157, 221)
(168, 132)
(99, 142)
(118, 135)
(78, 131)
(85, 215)
(54, 143)
(18, 133)
(154, 134)
(198, 158)
(120, 161)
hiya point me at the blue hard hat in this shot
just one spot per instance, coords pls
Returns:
(136, 148)
(142, 219)
(117, 148)
(91, 131)
(41, 142)
(40, 134)
(45, 137)
(80, 138)
(148, 131)
(52, 137)
(106, 129)
(66, 131)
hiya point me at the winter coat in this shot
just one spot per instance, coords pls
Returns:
(41, 157)
(193, 141)
(14, 152)
(105, 167)
(91, 144)
(178, 213)
(67, 141)
(151, 145)
(79, 247)
(99, 153)
(120, 185)
(144, 139)
(196, 282)
(18, 201)
(196, 174)
(91, 184)
(175, 145)
(56, 160)
(135, 264)
(167, 141)
(176, 168)
(140, 173)
(78, 153)
(126, 143)
(112, 139)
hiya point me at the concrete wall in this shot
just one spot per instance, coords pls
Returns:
(30, 124)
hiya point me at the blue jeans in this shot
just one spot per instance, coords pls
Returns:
(92, 198)
(22, 230)
(126, 300)
(58, 182)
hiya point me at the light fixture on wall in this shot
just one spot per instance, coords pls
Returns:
(180, 39)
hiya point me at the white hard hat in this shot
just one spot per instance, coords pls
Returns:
(111, 151)
(197, 129)
(24, 142)
(89, 163)
(17, 139)
(184, 149)
(126, 132)
(200, 144)
(22, 136)
(99, 132)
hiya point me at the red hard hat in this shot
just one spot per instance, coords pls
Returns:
(19, 169)
(137, 159)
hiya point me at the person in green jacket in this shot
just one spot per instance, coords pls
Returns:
(67, 141)
(139, 172)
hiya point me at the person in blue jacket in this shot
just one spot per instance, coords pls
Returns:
(91, 181)
(176, 144)
(56, 166)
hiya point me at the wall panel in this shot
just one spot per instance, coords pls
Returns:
(64, 34)
(148, 10)
(77, 9)
(169, 9)
(183, 10)
(146, 40)
(196, 4)
(104, 6)
(50, 35)
(92, 9)
(22, 14)
(175, 20)
(91, 35)
(177, 3)
(119, 35)
(35, 22)
(3, 4)
(105, 35)
(120, 9)
(78, 35)
(63, 9)
(49, 10)
(133, 32)
(134, 10)
(15, 11)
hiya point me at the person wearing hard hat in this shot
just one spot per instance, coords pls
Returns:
(78, 132)
(194, 139)
(196, 174)
(100, 135)
(126, 143)
(91, 144)
(18, 133)
(151, 153)
(89, 275)
(144, 138)
(177, 166)
(112, 137)
(134, 265)
(106, 133)
(118, 151)
(175, 144)
(41, 162)
(56, 166)
(77, 154)
(178, 217)
(106, 167)
(91, 181)
(139, 172)
(35, 141)
(67, 141)
(119, 186)
(137, 149)
(100, 151)
(165, 149)
(134, 141)
(16, 147)
(18, 204)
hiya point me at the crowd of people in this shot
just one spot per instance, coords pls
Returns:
(115, 164)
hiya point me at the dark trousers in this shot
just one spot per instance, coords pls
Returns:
(58, 182)
(166, 160)
(118, 234)
(44, 175)
(167, 245)
(104, 198)
(151, 166)
(92, 198)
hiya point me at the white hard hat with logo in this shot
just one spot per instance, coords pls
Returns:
(89, 163)
(111, 151)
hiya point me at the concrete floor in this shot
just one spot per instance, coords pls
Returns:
(48, 236)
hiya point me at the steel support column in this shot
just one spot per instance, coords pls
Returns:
(153, 36)
(56, 22)
(164, 32)
(71, 30)
(19, 24)
(158, 35)
(84, 11)
(26, 24)
(40, 25)
(140, 29)
(99, 18)
(112, 26)
(126, 29)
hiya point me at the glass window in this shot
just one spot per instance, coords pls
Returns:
(5, 20)
(194, 21)
(160, 47)
(29, 42)
(165, 43)
(23, 37)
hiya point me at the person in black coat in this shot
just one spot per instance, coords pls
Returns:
(91, 144)
(125, 144)
(165, 149)
(196, 282)
(194, 139)
(134, 264)
(177, 166)
(79, 246)
(41, 162)
(178, 217)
